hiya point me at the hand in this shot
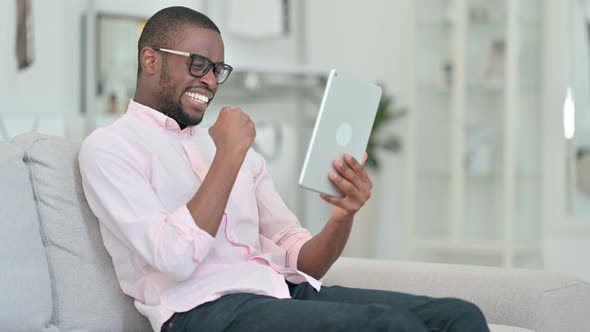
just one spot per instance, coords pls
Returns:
(233, 131)
(354, 182)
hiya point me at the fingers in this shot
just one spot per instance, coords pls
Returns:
(227, 109)
(353, 181)
(347, 173)
(345, 185)
(347, 205)
(354, 172)
(227, 112)
(355, 165)
(358, 194)
(230, 111)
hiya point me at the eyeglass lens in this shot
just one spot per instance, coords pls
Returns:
(200, 66)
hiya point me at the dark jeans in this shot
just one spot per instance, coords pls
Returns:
(332, 309)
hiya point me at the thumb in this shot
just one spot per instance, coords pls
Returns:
(364, 159)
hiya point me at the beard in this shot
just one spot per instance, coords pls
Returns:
(172, 106)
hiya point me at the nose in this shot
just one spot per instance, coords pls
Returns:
(210, 80)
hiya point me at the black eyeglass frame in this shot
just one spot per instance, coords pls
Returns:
(217, 67)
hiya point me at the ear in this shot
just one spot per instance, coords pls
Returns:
(148, 59)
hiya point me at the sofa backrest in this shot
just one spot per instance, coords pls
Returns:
(85, 293)
(26, 301)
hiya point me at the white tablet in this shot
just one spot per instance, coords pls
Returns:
(343, 125)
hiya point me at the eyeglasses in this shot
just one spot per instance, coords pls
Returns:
(200, 65)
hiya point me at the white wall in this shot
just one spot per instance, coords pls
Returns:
(368, 41)
(41, 87)
(145, 8)
(243, 51)
(48, 90)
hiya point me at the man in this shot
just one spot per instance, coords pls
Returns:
(197, 233)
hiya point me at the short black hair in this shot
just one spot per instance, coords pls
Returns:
(163, 28)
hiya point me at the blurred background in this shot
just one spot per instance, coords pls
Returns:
(481, 151)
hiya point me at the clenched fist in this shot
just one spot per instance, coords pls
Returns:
(233, 132)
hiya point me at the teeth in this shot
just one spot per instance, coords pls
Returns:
(197, 97)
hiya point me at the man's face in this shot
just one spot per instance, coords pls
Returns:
(182, 96)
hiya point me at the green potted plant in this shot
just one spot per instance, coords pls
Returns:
(379, 139)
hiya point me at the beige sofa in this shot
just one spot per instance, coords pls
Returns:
(57, 276)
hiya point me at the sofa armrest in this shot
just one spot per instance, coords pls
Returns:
(536, 300)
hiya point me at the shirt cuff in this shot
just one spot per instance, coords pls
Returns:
(291, 240)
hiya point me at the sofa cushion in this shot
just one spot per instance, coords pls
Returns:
(25, 304)
(505, 328)
(87, 296)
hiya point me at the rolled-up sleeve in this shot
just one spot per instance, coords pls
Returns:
(277, 222)
(121, 196)
(291, 240)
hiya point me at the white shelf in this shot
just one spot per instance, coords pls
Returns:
(495, 204)
(282, 69)
(436, 20)
(435, 88)
(436, 17)
(577, 228)
(529, 20)
(432, 172)
(251, 82)
(483, 87)
(486, 86)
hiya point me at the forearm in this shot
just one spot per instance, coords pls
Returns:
(208, 204)
(319, 253)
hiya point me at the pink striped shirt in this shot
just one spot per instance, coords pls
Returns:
(138, 175)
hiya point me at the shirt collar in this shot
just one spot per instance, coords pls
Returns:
(156, 119)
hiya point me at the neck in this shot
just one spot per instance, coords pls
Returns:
(145, 99)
